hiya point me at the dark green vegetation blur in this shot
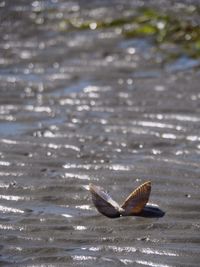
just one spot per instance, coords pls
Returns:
(161, 27)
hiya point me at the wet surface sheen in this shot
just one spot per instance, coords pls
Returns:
(80, 106)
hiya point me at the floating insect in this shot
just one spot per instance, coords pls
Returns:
(133, 205)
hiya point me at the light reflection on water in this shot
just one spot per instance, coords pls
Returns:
(5, 209)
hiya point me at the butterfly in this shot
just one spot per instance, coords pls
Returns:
(133, 204)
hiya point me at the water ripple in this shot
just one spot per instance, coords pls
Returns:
(5, 209)
(13, 198)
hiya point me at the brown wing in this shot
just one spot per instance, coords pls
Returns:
(103, 202)
(137, 200)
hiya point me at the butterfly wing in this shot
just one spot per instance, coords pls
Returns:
(137, 200)
(103, 202)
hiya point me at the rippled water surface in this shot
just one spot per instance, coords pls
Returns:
(83, 103)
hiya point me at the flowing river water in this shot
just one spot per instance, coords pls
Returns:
(84, 102)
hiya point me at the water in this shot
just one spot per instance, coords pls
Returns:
(83, 106)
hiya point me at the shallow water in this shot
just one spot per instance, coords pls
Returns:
(83, 106)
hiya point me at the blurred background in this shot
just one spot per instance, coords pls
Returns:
(104, 92)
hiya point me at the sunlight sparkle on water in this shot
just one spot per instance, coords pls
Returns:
(5, 209)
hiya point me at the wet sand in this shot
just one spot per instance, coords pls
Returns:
(81, 107)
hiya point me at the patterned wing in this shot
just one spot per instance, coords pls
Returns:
(137, 200)
(103, 202)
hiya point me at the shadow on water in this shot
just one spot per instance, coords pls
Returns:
(150, 211)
